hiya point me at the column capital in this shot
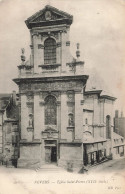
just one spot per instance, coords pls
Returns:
(40, 46)
(82, 102)
(42, 103)
(29, 104)
(58, 103)
(68, 43)
(31, 46)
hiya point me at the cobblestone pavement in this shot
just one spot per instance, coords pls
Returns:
(112, 166)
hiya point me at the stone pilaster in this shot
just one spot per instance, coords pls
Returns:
(59, 117)
(40, 51)
(78, 116)
(36, 53)
(58, 50)
(38, 117)
(96, 110)
(64, 116)
(24, 117)
(64, 50)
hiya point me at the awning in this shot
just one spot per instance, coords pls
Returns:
(93, 140)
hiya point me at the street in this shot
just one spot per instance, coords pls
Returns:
(116, 166)
(108, 177)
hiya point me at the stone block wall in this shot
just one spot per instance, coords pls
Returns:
(30, 156)
(71, 153)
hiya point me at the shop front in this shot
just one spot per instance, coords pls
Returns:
(93, 153)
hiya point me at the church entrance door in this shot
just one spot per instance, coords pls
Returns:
(50, 151)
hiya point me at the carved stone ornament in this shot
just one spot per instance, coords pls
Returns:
(58, 103)
(29, 104)
(70, 129)
(48, 15)
(29, 86)
(40, 46)
(43, 95)
(42, 103)
(82, 102)
(31, 46)
(71, 96)
(71, 85)
(29, 96)
(71, 108)
(30, 129)
(68, 43)
(59, 44)
(50, 34)
(35, 34)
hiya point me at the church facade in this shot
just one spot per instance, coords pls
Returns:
(59, 120)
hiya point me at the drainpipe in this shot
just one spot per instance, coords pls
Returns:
(2, 136)
(112, 140)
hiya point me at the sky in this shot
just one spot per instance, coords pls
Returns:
(98, 25)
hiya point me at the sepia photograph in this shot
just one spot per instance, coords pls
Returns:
(62, 91)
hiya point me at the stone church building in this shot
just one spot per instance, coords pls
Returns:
(60, 121)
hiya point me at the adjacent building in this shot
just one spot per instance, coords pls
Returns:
(9, 130)
(119, 123)
(118, 146)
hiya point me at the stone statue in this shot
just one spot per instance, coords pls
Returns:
(30, 120)
(71, 123)
(23, 58)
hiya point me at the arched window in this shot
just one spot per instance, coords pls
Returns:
(49, 51)
(108, 127)
(50, 110)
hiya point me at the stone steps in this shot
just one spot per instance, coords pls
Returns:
(49, 168)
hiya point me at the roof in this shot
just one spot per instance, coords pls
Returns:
(12, 111)
(96, 85)
(55, 16)
(4, 100)
(117, 136)
(100, 94)
(51, 79)
(94, 91)
(89, 139)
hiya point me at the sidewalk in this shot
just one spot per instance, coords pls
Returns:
(116, 165)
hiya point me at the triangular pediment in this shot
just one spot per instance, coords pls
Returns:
(48, 15)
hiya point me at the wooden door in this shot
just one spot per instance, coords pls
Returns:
(48, 154)
(53, 154)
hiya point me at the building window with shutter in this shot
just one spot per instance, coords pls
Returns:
(49, 51)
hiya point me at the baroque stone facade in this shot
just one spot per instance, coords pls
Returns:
(60, 121)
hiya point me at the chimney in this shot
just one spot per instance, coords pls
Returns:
(14, 98)
(116, 114)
